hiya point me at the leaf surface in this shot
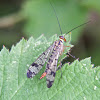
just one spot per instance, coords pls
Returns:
(79, 80)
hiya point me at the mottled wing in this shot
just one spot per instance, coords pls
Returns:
(51, 70)
(39, 62)
(51, 66)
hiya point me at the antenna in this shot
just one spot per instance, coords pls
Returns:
(77, 27)
(59, 22)
(56, 17)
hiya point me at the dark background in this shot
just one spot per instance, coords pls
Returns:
(26, 18)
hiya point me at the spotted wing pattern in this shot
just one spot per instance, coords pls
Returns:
(39, 62)
(51, 66)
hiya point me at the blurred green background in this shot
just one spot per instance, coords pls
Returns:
(26, 18)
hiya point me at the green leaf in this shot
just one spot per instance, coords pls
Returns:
(79, 80)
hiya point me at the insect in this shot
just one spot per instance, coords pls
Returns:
(53, 52)
(50, 56)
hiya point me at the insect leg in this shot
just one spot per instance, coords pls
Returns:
(64, 61)
(72, 56)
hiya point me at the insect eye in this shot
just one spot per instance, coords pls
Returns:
(62, 37)
(64, 40)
